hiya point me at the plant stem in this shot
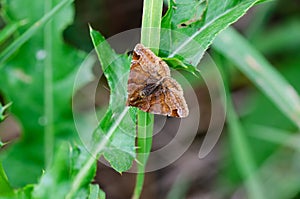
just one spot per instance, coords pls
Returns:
(151, 22)
(150, 37)
(144, 142)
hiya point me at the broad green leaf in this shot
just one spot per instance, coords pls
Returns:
(233, 46)
(115, 135)
(38, 79)
(120, 146)
(190, 26)
(5, 189)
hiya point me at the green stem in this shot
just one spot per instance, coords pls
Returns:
(151, 21)
(150, 37)
(48, 90)
(144, 142)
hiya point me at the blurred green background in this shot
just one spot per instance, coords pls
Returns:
(273, 28)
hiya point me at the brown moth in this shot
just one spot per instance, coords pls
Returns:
(150, 86)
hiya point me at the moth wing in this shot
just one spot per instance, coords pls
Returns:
(146, 68)
(173, 97)
(169, 100)
(150, 62)
(136, 82)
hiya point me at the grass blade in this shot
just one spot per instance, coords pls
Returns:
(240, 148)
(260, 72)
(279, 183)
(8, 30)
(274, 135)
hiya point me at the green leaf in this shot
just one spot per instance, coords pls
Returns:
(2, 110)
(120, 146)
(54, 182)
(179, 64)
(8, 31)
(96, 192)
(39, 78)
(5, 188)
(186, 13)
(190, 26)
(278, 184)
(115, 135)
(57, 180)
(25, 192)
(275, 135)
(260, 72)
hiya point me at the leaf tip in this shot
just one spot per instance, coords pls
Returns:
(90, 27)
(2, 110)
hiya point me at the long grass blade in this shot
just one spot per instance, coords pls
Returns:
(240, 148)
(260, 72)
